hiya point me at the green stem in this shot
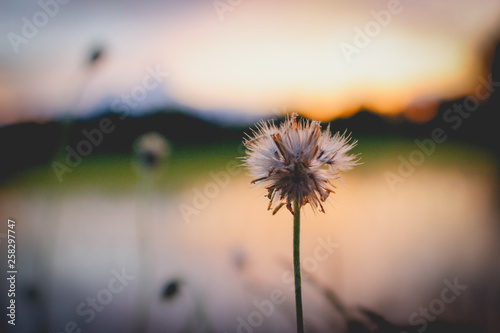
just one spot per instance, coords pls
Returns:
(296, 266)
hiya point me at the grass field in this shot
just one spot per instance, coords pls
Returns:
(187, 164)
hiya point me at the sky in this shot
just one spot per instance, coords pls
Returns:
(250, 57)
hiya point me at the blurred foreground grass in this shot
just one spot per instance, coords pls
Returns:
(116, 172)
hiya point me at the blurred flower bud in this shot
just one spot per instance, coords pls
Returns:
(96, 55)
(151, 149)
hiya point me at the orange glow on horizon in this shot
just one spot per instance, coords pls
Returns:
(252, 64)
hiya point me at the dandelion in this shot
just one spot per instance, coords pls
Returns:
(296, 162)
(151, 149)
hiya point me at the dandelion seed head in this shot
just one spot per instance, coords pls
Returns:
(297, 161)
(151, 149)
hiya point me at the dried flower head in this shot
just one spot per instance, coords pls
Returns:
(297, 161)
(151, 149)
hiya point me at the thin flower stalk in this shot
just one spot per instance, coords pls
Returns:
(296, 163)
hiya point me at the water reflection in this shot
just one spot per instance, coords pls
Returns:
(228, 266)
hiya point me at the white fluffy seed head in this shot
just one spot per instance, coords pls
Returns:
(297, 161)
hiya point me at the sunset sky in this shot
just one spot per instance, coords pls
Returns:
(253, 57)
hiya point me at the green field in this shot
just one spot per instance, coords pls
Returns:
(118, 172)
